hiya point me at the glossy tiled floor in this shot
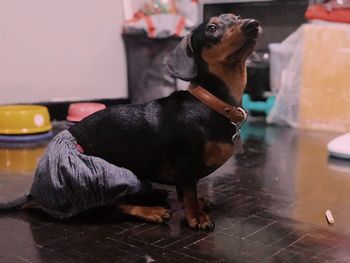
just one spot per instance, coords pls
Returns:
(269, 205)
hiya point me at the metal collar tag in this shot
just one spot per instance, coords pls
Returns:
(238, 125)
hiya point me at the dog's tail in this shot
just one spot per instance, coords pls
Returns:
(15, 204)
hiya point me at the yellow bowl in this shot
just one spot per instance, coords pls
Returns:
(24, 119)
(20, 160)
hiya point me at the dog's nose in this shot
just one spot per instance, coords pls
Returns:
(250, 26)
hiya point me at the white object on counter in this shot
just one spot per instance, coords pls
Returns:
(340, 146)
(329, 217)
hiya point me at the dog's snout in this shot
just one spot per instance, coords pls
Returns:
(250, 25)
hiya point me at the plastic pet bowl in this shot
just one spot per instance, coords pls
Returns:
(24, 119)
(78, 111)
(20, 160)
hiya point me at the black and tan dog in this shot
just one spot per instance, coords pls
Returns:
(179, 139)
(182, 138)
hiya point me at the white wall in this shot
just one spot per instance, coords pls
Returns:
(61, 50)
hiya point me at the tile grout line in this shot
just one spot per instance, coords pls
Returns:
(285, 248)
(240, 221)
(273, 222)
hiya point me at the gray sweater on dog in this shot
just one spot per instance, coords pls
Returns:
(67, 182)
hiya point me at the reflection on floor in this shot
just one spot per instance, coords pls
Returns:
(269, 206)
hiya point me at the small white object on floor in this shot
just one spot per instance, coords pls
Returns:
(340, 146)
(329, 217)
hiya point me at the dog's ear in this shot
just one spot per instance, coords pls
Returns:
(181, 62)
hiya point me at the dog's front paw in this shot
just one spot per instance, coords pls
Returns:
(157, 214)
(200, 220)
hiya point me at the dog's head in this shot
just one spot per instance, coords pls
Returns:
(226, 40)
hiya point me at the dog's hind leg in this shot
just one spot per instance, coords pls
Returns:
(154, 214)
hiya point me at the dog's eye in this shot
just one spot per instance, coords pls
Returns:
(238, 17)
(212, 28)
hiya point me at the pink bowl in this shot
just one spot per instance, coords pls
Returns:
(78, 111)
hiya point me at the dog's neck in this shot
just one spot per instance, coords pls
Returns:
(227, 82)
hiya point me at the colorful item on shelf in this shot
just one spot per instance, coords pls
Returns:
(323, 12)
(80, 110)
(164, 18)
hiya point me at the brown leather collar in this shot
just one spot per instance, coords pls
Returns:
(236, 115)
